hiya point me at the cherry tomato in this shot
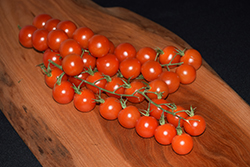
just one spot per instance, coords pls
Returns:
(170, 54)
(98, 79)
(128, 117)
(67, 26)
(145, 54)
(72, 64)
(82, 35)
(182, 144)
(63, 93)
(195, 126)
(145, 126)
(88, 61)
(115, 86)
(25, 35)
(39, 39)
(98, 45)
(69, 46)
(51, 78)
(124, 50)
(186, 73)
(130, 68)
(77, 81)
(108, 64)
(135, 85)
(112, 47)
(171, 79)
(192, 57)
(55, 38)
(51, 55)
(157, 86)
(40, 20)
(174, 119)
(164, 134)
(151, 70)
(110, 108)
(51, 24)
(156, 111)
(85, 101)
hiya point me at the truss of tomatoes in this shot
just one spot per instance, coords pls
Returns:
(80, 65)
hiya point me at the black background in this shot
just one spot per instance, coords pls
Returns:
(219, 30)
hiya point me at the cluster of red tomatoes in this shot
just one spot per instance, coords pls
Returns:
(81, 66)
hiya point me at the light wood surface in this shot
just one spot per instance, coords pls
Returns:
(59, 135)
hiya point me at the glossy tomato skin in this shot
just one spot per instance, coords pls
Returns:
(156, 111)
(85, 101)
(192, 57)
(145, 126)
(146, 53)
(63, 93)
(186, 73)
(69, 46)
(135, 85)
(112, 47)
(108, 64)
(93, 79)
(124, 50)
(25, 35)
(164, 134)
(157, 86)
(76, 81)
(98, 45)
(51, 24)
(67, 26)
(53, 56)
(72, 64)
(40, 20)
(151, 70)
(169, 53)
(82, 36)
(171, 79)
(51, 78)
(196, 125)
(182, 144)
(113, 86)
(55, 38)
(110, 108)
(129, 116)
(39, 39)
(174, 119)
(130, 68)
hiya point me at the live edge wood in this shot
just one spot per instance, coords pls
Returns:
(59, 135)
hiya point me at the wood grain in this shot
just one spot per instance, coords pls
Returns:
(59, 135)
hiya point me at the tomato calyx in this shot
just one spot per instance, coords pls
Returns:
(46, 71)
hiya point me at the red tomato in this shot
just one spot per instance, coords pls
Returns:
(98, 79)
(72, 64)
(50, 55)
(51, 24)
(156, 111)
(88, 61)
(145, 126)
(171, 79)
(128, 117)
(192, 57)
(157, 86)
(130, 68)
(151, 70)
(40, 20)
(82, 35)
(108, 64)
(67, 26)
(70, 46)
(195, 126)
(124, 50)
(186, 73)
(85, 101)
(135, 85)
(39, 39)
(182, 144)
(51, 78)
(63, 93)
(174, 119)
(164, 134)
(110, 108)
(77, 81)
(98, 45)
(145, 54)
(115, 86)
(112, 47)
(55, 38)
(170, 54)
(25, 35)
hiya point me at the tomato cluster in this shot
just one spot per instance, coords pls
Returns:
(88, 69)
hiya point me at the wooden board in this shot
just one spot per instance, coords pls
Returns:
(58, 135)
